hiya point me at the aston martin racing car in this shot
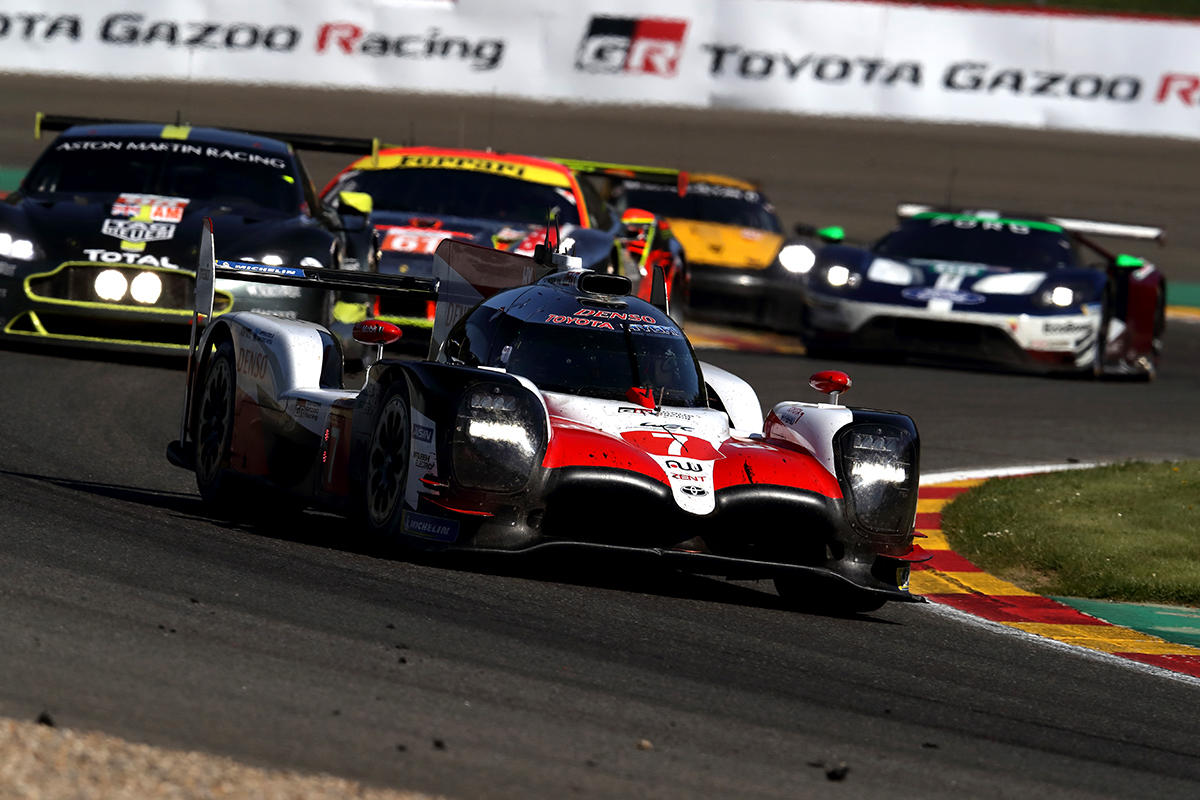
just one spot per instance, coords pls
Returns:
(738, 257)
(421, 196)
(985, 286)
(554, 411)
(97, 243)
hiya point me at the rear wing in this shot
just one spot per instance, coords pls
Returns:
(624, 172)
(298, 141)
(1084, 227)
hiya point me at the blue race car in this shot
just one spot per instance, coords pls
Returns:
(983, 286)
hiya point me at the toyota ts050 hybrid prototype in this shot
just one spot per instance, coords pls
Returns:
(740, 264)
(421, 196)
(554, 411)
(1016, 290)
(98, 243)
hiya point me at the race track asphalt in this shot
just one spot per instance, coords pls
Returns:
(128, 609)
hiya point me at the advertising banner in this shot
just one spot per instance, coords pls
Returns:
(830, 57)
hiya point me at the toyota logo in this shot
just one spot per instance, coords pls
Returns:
(694, 491)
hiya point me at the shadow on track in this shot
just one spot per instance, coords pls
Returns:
(282, 522)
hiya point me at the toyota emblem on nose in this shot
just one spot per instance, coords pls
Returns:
(694, 491)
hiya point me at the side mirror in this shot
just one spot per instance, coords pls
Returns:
(353, 210)
(376, 332)
(831, 234)
(355, 203)
(831, 382)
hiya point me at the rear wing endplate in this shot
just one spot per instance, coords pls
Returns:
(1084, 227)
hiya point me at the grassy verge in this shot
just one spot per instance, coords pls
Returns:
(1173, 8)
(1124, 532)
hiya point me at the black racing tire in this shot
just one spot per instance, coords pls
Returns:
(825, 597)
(214, 428)
(380, 498)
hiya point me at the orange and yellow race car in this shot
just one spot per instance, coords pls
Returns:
(740, 265)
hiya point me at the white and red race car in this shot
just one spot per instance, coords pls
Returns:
(554, 411)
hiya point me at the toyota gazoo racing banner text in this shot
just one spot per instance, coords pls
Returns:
(892, 60)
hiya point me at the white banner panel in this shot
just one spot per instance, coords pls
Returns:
(832, 57)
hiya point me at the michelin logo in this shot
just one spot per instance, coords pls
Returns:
(427, 527)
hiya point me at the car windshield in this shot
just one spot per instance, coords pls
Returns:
(705, 202)
(463, 193)
(606, 362)
(186, 170)
(1032, 246)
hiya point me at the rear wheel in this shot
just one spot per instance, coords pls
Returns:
(826, 597)
(214, 427)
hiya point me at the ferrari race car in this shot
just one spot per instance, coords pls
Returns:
(421, 196)
(97, 243)
(1017, 290)
(738, 257)
(554, 411)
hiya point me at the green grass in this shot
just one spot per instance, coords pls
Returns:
(1175, 8)
(1126, 532)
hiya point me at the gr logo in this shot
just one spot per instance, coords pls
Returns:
(628, 44)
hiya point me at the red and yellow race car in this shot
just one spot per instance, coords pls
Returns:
(418, 197)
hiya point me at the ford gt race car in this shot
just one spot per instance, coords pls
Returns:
(738, 257)
(421, 196)
(554, 411)
(97, 243)
(991, 287)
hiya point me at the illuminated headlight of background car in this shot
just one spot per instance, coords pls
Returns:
(499, 437)
(878, 469)
(1065, 294)
(111, 285)
(13, 247)
(836, 276)
(797, 258)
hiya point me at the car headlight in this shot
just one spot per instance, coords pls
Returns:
(1061, 296)
(1009, 283)
(877, 457)
(146, 288)
(20, 249)
(837, 276)
(797, 258)
(498, 438)
(110, 285)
